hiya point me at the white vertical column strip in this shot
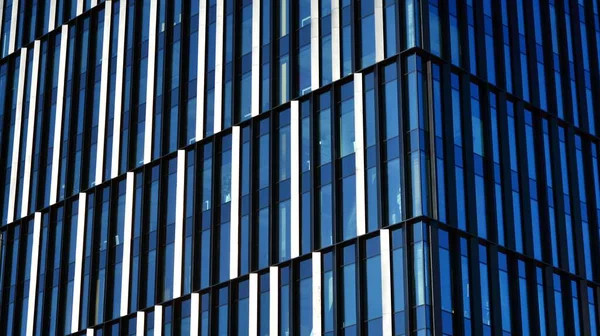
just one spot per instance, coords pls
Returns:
(33, 273)
(93, 3)
(80, 7)
(316, 293)
(273, 300)
(150, 82)
(386, 282)
(158, 320)
(335, 40)
(234, 222)
(255, 103)
(60, 102)
(379, 45)
(295, 179)
(30, 129)
(13, 26)
(10, 216)
(315, 42)
(179, 217)
(253, 305)
(78, 262)
(116, 145)
(201, 72)
(51, 16)
(103, 92)
(359, 149)
(89, 332)
(220, 32)
(195, 315)
(127, 234)
(140, 323)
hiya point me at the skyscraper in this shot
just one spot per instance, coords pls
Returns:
(299, 167)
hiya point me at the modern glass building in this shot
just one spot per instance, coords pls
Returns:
(299, 167)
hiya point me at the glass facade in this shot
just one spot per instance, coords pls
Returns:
(311, 167)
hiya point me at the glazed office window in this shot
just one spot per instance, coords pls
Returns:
(306, 156)
(516, 189)
(508, 79)
(585, 226)
(6, 120)
(325, 57)
(532, 170)
(539, 41)
(24, 130)
(573, 81)
(563, 167)
(325, 202)
(84, 318)
(266, 45)
(541, 300)
(263, 305)
(390, 103)
(523, 297)
(417, 133)
(285, 320)
(167, 228)
(477, 128)
(372, 286)
(371, 127)
(465, 285)
(346, 37)
(283, 181)
(327, 294)
(555, 50)
(244, 63)
(282, 60)
(304, 298)
(211, 37)
(523, 49)
(413, 23)
(116, 246)
(263, 226)
(223, 224)
(505, 302)
(41, 294)
(345, 120)
(435, 33)
(446, 283)
(455, 47)
(228, 51)
(471, 36)
(303, 69)
(421, 278)
(459, 173)
(245, 193)
(490, 51)
(188, 222)
(365, 10)
(203, 273)
(438, 124)
(391, 41)
(486, 305)
(243, 308)
(575, 307)
(6, 26)
(591, 299)
(136, 251)
(596, 176)
(191, 65)
(347, 282)
(98, 288)
(221, 312)
(550, 191)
